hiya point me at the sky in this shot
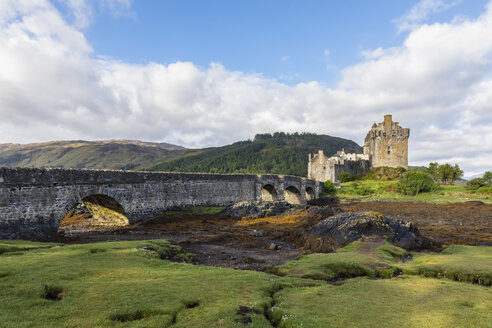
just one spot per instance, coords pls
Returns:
(209, 73)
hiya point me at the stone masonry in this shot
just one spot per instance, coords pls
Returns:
(34, 201)
(387, 144)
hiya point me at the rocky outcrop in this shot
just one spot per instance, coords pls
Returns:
(342, 229)
(249, 209)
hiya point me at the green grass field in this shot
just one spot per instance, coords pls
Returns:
(375, 190)
(126, 284)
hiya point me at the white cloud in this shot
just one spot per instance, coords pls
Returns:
(327, 52)
(421, 12)
(53, 86)
(284, 58)
(81, 12)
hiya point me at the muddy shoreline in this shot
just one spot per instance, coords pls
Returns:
(253, 243)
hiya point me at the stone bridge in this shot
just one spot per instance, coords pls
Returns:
(34, 201)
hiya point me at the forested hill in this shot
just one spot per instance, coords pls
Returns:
(279, 153)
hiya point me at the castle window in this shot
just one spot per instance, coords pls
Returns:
(389, 150)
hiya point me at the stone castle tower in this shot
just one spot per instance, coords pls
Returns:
(387, 144)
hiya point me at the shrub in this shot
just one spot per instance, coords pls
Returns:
(415, 182)
(474, 184)
(485, 189)
(345, 177)
(329, 187)
(364, 191)
(52, 292)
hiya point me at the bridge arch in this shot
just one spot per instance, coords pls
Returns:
(269, 193)
(292, 195)
(94, 212)
(310, 194)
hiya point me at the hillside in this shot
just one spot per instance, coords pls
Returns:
(107, 154)
(279, 153)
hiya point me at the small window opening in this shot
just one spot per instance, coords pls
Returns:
(389, 150)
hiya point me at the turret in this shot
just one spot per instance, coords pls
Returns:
(388, 122)
(387, 144)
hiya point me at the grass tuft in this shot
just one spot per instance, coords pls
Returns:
(53, 292)
(190, 304)
(97, 250)
(4, 274)
(133, 315)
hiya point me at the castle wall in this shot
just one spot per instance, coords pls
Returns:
(322, 168)
(34, 201)
(354, 168)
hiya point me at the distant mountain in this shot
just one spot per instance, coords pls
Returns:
(106, 154)
(279, 153)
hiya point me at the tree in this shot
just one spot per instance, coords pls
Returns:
(448, 173)
(487, 177)
(433, 170)
(445, 173)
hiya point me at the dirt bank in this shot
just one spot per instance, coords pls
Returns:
(467, 223)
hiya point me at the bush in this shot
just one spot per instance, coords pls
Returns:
(474, 184)
(415, 182)
(485, 189)
(329, 187)
(364, 191)
(345, 177)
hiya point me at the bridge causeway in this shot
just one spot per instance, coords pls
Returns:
(34, 201)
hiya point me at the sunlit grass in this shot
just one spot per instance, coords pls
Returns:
(462, 263)
(374, 190)
(405, 301)
(127, 284)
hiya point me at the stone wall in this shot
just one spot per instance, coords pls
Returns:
(322, 168)
(34, 201)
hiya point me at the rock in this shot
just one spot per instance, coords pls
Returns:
(273, 247)
(257, 233)
(344, 228)
(323, 201)
(257, 209)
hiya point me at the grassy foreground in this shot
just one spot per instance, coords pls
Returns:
(126, 284)
(376, 190)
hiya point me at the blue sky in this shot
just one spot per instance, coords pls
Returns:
(286, 39)
(209, 73)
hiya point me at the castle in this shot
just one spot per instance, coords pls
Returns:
(386, 144)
